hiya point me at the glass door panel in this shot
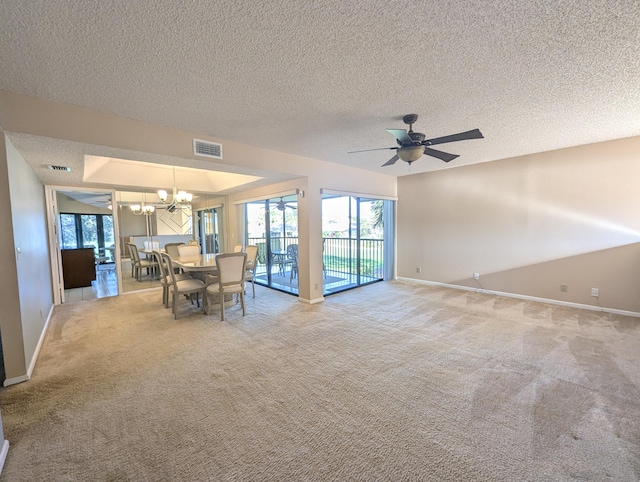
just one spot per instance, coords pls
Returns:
(89, 227)
(353, 242)
(277, 265)
(68, 235)
(209, 231)
(108, 239)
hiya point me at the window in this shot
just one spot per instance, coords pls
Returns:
(88, 231)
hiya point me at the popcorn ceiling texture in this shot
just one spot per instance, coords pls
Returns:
(321, 78)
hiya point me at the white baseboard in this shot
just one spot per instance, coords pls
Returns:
(525, 297)
(311, 302)
(15, 380)
(3, 454)
(34, 358)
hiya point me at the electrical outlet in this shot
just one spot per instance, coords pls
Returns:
(595, 292)
(563, 288)
(476, 275)
(418, 270)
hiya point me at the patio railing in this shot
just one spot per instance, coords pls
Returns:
(340, 255)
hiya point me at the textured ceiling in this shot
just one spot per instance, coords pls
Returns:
(320, 78)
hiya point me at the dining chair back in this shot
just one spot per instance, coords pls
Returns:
(180, 285)
(139, 265)
(165, 277)
(252, 260)
(237, 248)
(152, 245)
(131, 258)
(189, 250)
(230, 280)
(172, 249)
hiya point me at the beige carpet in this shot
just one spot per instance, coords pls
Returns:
(393, 381)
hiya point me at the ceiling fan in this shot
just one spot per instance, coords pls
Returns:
(282, 205)
(412, 145)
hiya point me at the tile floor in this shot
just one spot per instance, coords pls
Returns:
(105, 284)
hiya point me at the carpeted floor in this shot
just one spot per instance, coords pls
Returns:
(394, 381)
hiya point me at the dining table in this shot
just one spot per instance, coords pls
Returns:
(279, 258)
(201, 266)
(199, 263)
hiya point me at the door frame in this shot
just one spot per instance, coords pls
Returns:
(55, 254)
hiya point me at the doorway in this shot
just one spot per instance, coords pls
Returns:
(272, 225)
(357, 249)
(82, 235)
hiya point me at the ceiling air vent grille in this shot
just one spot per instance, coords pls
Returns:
(207, 149)
(60, 168)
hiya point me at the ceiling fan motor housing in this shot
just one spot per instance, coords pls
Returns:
(410, 118)
(416, 137)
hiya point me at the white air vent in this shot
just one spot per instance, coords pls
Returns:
(207, 149)
(60, 168)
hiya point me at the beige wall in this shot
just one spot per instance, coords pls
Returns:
(11, 319)
(530, 224)
(29, 115)
(27, 291)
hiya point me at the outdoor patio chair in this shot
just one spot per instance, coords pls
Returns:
(252, 261)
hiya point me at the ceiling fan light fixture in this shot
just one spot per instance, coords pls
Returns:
(410, 154)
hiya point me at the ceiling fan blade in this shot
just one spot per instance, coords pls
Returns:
(401, 135)
(391, 161)
(462, 136)
(443, 156)
(378, 149)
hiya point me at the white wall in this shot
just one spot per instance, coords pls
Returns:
(530, 224)
(24, 330)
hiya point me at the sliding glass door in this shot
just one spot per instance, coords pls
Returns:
(272, 225)
(353, 240)
(357, 241)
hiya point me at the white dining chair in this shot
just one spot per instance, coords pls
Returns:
(172, 249)
(165, 278)
(189, 250)
(229, 281)
(177, 287)
(141, 264)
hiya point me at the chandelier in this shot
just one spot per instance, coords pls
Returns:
(178, 198)
(142, 209)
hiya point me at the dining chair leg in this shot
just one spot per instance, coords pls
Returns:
(253, 288)
(244, 308)
(221, 307)
(174, 306)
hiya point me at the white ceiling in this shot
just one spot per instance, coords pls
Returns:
(320, 78)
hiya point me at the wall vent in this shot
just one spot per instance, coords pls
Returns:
(207, 149)
(60, 168)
